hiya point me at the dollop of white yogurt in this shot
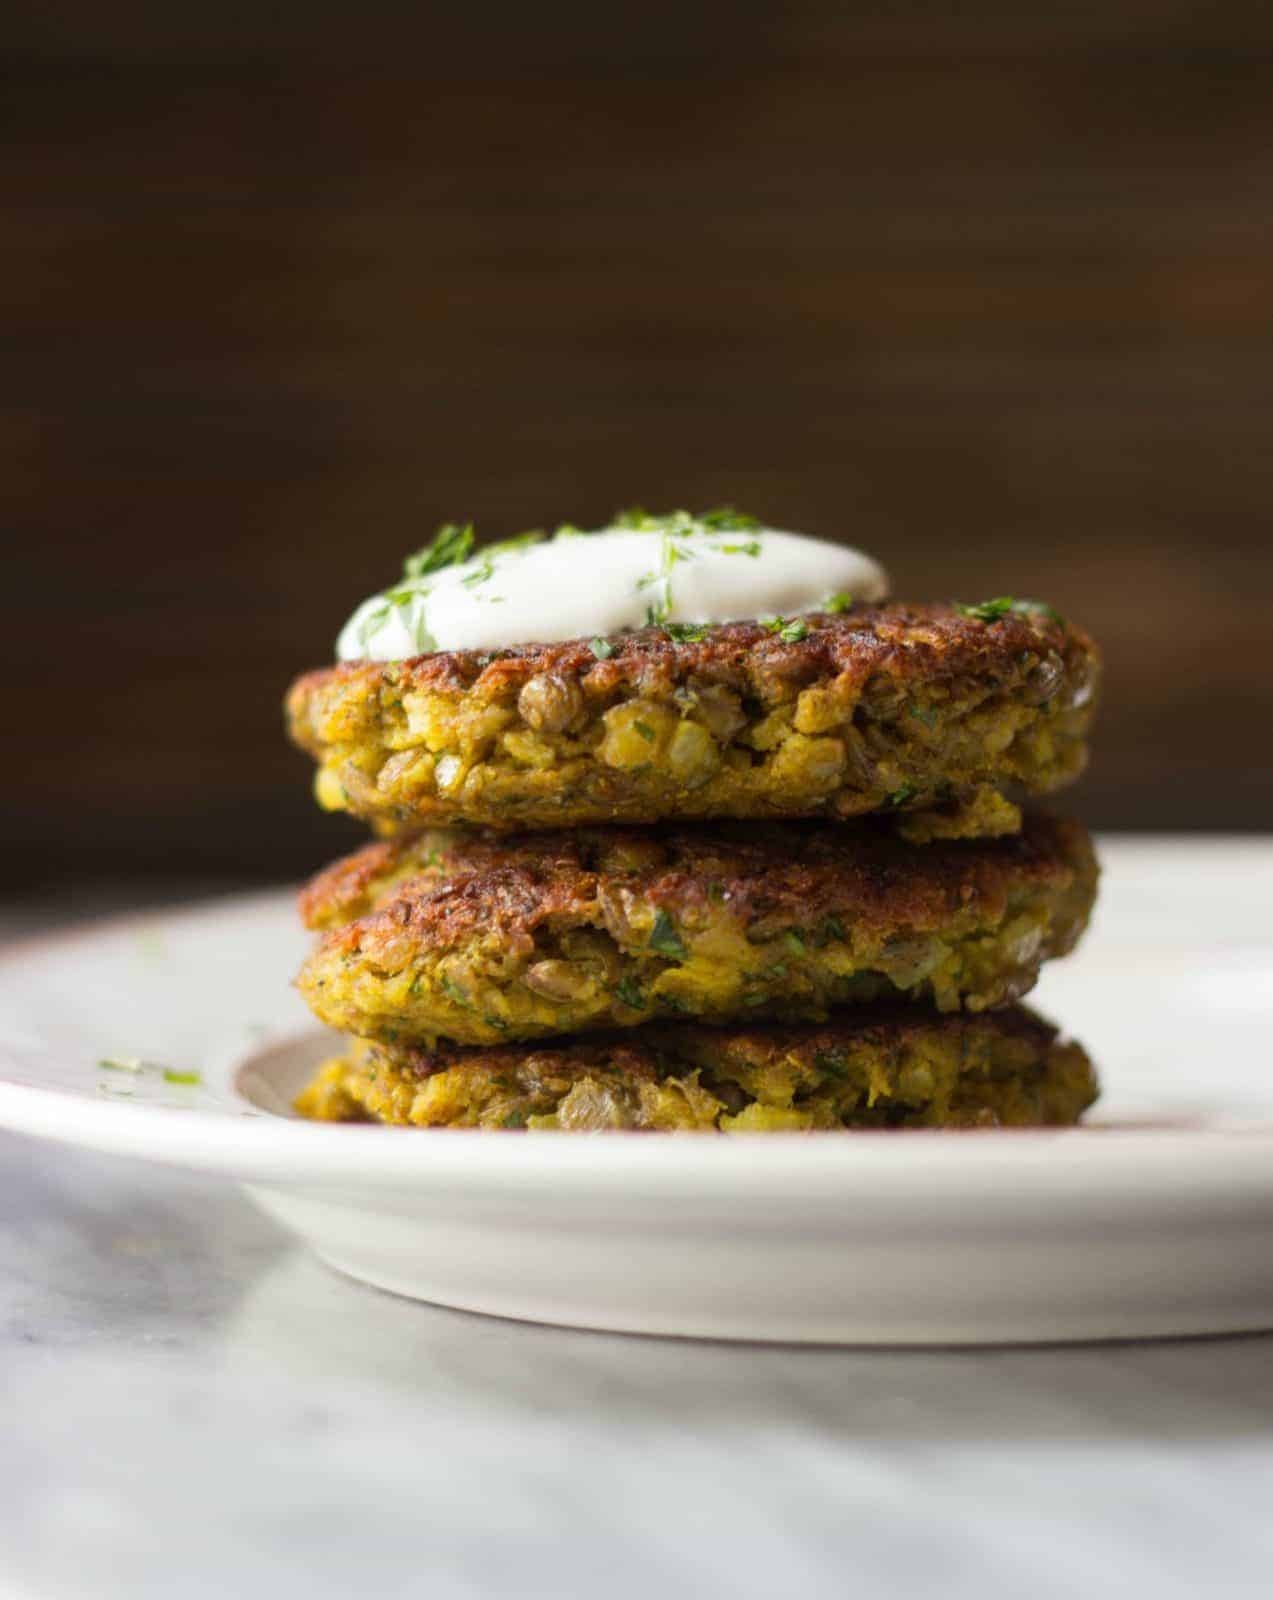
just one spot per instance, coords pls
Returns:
(677, 569)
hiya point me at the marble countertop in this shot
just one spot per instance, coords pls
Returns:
(193, 1407)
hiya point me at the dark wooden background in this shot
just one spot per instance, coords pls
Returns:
(985, 288)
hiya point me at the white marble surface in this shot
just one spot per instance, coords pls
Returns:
(192, 1407)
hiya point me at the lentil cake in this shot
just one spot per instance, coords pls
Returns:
(942, 710)
(880, 1067)
(487, 939)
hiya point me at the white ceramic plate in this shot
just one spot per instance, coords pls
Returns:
(1155, 1219)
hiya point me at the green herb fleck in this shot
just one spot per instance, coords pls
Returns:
(450, 545)
(515, 1119)
(602, 649)
(628, 992)
(831, 1063)
(458, 997)
(899, 797)
(684, 524)
(989, 610)
(750, 548)
(925, 714)
(725, 519)
(173, 1075)
(789, 630)
(992, 610)
(484, 571)
(793, 942)
(838, 602)
(119, 1064)
(669, 554)
(645, 730)
(519, 541)
(686, 632)
(666, 940)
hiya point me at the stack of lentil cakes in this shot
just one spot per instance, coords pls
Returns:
(752, 876)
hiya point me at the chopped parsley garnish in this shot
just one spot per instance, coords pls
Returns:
(673, 527)
(831, 1062)
(482, 573)
(1002, 605)
(628, 992)
(925, 714)
(1025, 607)
(450, 545)
(989, 610)
(670, 553)
(838, 602)
(645, 730)
(522, 541)
(789, 630)
(682, 524)
(687, 632)
(602, 649)
(666, 940)
(173, 1075)
(899, 797)
(793, 942)
(515, 1119)
(119, 1064)
(458, 997)
(725, 519)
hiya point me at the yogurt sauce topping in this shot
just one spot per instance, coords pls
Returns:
(676, 571)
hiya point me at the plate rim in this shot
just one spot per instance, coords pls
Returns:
(261, 1146)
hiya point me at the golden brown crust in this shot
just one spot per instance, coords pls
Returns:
(906, 642)
(879, 1068)
(646, 1052)
(493, 937)
(443, 888)
(888, 706)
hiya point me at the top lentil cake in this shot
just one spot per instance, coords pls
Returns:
(941, 713)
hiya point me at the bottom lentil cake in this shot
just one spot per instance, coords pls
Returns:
(875, 1067)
